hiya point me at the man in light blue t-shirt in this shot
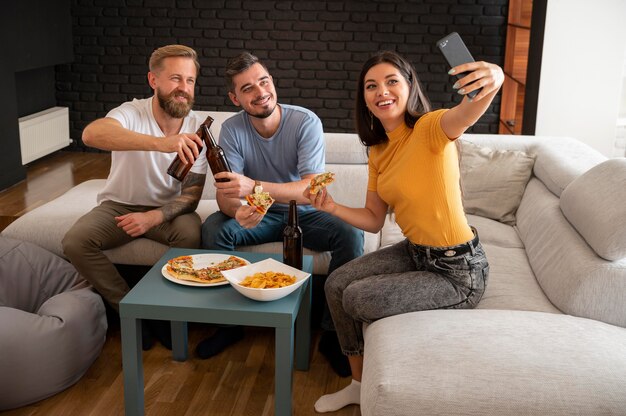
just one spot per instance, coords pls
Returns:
(280, 148)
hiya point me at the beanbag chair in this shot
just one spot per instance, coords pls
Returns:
(52, 324)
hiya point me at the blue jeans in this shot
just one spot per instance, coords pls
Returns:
(403, 278)
(320, 231)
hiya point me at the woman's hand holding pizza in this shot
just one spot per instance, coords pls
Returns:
(317, 194)
(322, 201)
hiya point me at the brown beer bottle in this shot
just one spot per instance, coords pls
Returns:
(215, 154)
(177, 168)
(292, 239)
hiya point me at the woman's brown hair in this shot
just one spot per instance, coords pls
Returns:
(369, 128)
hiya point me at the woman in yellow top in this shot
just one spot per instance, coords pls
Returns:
(414, 169)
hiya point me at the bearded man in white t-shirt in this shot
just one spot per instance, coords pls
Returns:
(140, 199)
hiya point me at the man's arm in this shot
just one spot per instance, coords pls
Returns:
(227, 204)
(483, 75)
(285, 192)
(109, 134)
(239, 186)
(190, 195)
(138, 223)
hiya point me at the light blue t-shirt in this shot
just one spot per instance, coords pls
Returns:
(296, 149)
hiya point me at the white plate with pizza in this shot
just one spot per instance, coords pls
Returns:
(201, 270)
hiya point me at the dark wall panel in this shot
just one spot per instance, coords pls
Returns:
(314, 49)
(43, 33)
(37, 90)
(11, 169)
(36, 35)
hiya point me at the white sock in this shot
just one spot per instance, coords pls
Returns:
(350, 394)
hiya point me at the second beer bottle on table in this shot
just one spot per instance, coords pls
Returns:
(292, 239)
(214, 154)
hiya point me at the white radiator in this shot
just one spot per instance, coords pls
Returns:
(43, 133)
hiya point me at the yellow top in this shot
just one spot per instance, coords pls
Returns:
(417, 174)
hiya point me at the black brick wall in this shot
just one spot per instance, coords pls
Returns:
(313, 49)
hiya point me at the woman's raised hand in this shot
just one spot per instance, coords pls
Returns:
(481, 74)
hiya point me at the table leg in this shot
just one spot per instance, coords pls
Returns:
(179, 340)
(284, 371)
(303, 329)
(132, 365)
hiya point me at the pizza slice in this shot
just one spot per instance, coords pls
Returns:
(210, 275)
(261, 201)
(182, 268)
(207, 275)
(181, 261)
(320, 181)
(230, 263)
(182, 274)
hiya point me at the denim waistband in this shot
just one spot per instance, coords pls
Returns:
(468, 247)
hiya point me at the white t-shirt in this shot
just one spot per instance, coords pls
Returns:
(140, 177)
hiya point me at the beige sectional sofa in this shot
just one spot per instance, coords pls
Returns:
(548, 337)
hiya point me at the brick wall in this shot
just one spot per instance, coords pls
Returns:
(313, 49)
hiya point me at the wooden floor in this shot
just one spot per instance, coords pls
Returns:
(240, 381)
(48, 178)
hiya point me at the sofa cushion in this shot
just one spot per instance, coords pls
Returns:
(495, 233)
(511, 283)
(594, 203)
(391, 232)
(488, 362)
(560, 160)
(493, 181)
(47, 224)
(345, 148)
(350, 185)
(573, 276)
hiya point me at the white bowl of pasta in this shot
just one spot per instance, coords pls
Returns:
(266, 280)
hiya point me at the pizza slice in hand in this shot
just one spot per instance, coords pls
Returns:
(261, 201)
(320, 181)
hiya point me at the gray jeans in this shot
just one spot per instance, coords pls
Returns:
(403, 278)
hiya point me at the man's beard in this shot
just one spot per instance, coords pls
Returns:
(173, 108)
(263, 113)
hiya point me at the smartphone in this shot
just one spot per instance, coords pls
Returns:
(456, 53)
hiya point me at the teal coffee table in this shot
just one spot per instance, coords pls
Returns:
(155, 297)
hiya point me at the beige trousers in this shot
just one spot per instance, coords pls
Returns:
(97, 231)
